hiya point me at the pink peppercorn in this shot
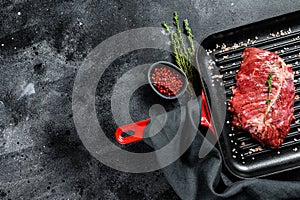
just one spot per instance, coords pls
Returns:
(167, 80)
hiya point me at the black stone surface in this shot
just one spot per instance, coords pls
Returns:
(42, 44)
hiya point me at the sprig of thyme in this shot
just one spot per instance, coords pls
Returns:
(268, 101)
(183, 55)
(269, 83)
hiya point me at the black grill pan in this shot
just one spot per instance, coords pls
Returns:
(242, 155)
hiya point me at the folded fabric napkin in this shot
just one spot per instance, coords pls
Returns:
(205, 178)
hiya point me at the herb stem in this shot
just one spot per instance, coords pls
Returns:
(180, 37)
(183, 55)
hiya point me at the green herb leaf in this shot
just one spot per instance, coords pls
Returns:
(270, 76)
(268, 100)
(269, 82)
(166, 26)
(269, 89)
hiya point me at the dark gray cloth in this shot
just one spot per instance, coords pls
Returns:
(206, 178)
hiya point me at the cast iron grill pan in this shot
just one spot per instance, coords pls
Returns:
(244, 156)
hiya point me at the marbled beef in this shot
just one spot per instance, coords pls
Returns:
(263, 112)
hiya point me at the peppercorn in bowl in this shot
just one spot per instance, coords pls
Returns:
(167, 80)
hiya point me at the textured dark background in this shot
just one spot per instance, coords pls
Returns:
(42, 44)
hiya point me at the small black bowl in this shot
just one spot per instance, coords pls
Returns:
(174, 68)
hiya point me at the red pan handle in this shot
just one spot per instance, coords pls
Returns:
(138, 128)
(206, 117)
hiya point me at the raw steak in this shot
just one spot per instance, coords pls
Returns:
(263, 112)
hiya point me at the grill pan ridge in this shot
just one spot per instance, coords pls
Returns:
(244, 156)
